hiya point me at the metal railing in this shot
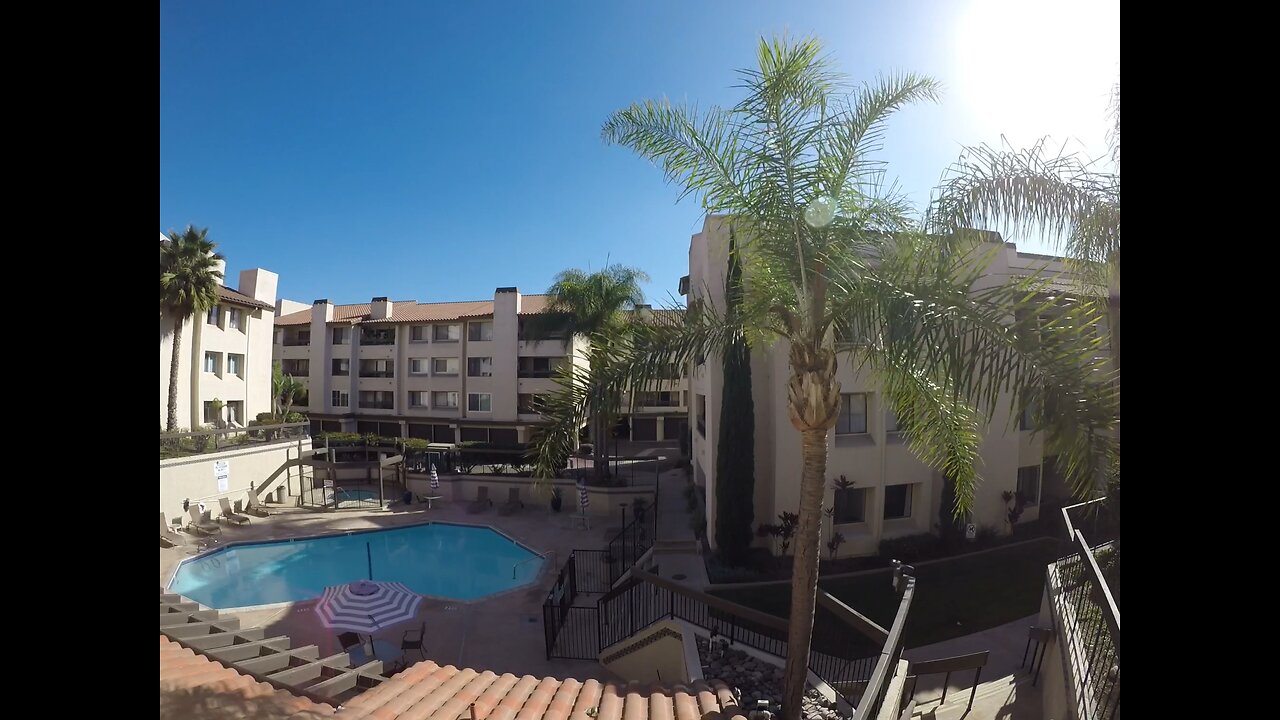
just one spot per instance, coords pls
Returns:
(631, 543)
(959, 663)
(877, 687)
(180, 444)
(1088, 630)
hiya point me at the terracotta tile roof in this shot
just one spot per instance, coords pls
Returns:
(427, 691)
(193, 685)
(664, 316)
(227, 295)
(408, 311)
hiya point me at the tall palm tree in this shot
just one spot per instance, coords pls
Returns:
(825, 246)
(1074, 205)
(189, 280)
(594, 305)
(285, 391)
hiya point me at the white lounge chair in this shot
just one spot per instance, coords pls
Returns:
(202, 523)
(231, 515)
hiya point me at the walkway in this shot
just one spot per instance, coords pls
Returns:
(677, 553)
(1006, 691)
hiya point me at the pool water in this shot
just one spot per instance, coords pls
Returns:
(460, 562)
(354, 497)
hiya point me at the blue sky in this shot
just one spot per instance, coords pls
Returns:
(435, 151)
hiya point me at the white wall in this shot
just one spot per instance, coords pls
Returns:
(192, 477)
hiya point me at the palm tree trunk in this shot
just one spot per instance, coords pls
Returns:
(171, 423)
(813, 397)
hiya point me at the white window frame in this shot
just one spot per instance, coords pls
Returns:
(911, 491)
(425, 365)
(419, 398)
(234, 318)
(480, 325)
(844, 405)
(891, 421)
(239, 358)
(862, 492)
(435, 332)
(217, 362)
(445, 372)
(339, 399)
(447, 394)
(214, 316)
(481, 361)
(1039, 483)
(340, 336)
(426, 333)
(479, 403)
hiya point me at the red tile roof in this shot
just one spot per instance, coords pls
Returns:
(193, 685)
(427, 691)
(235, 297)
(408, 311)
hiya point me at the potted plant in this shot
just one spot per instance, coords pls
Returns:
(556, 500)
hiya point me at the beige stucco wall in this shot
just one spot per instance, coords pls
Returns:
(192, 477)
(664, 652)
(603, 502)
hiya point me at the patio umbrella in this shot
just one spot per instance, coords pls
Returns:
(583, 500)
(366, 607)
(435, 478)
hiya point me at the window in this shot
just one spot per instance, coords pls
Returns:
(1027, 421)
(233, 318)
(850, 506)
(853, 414)
(702, 415)
(480, 331)
(214, 314)
(479, 402)
(341, 367)
(339, 399)
(418, 398)
(528, 403)
(377, 399)
(848, 334)
(341, 336)
(444, 366)
(665, 398)
(211, 362)
(897, 501)
(297, 337)
(235, 411)
(296, 368)
(479, 367)
(418, 366)
(1029, 485)
(235, 364)
(891, 422)
(279, 336)
(444, 400)
(210, 415)
(419, 333)
(377, 368)
(538, 367)
(446, 333)
(377, 336)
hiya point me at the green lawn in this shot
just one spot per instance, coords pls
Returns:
(953, 597)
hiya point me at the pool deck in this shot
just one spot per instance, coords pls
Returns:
(502, 633)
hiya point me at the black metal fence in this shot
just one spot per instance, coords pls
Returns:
(633, 541)
(1089, 631)
(595, 570)
(181, 444)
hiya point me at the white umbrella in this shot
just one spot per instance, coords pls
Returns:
(435, 478)
(366, 607)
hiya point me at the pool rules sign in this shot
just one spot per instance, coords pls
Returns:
(222, 473)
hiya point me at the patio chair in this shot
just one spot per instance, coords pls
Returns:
(410, 641)
(231, 515)
(428, 499)
(513, 502)
(202, 524)
(252, 507)
(168, 538)
(482, 501)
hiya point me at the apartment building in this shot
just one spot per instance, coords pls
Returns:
(893, 494)
(225, 354)
(660, 413)
(445, 372)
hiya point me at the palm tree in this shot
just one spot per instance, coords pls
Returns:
(593, 305)
(825, 247)
(189, 280)
(1061, 196)
(285, 390)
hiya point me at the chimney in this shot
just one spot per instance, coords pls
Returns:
(221, 267)
(324, 308)
(259, 284)
(504, 296)
(381, 309)
(644, 311)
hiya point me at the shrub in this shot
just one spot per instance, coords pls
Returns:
(911, 548)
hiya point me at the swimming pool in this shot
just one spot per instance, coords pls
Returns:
(346, 497)
(460, 562)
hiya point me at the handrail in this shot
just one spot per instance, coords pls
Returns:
(536, 556)
(1112, 612)
(762, 618)
(868, 706)
(972, 661)
(1066, 517)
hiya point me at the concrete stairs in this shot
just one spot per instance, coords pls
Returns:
(1011, 696)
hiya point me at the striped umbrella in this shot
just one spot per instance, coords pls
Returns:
(583, 500)
(366, 607)
(435, 478)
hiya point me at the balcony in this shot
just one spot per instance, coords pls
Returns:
(297, 340)
(378, 336)
(377, 405)
(377, 373)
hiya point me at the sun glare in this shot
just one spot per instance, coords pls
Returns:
(1028, 68)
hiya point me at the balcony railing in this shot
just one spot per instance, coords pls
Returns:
(378, 338)
(536, 373)
(1086, 612)
(296, 341)
(377, 373)
(377, 404)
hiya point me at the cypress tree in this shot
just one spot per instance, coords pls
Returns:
(735, 455)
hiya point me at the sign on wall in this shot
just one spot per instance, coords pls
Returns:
(222, 473)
